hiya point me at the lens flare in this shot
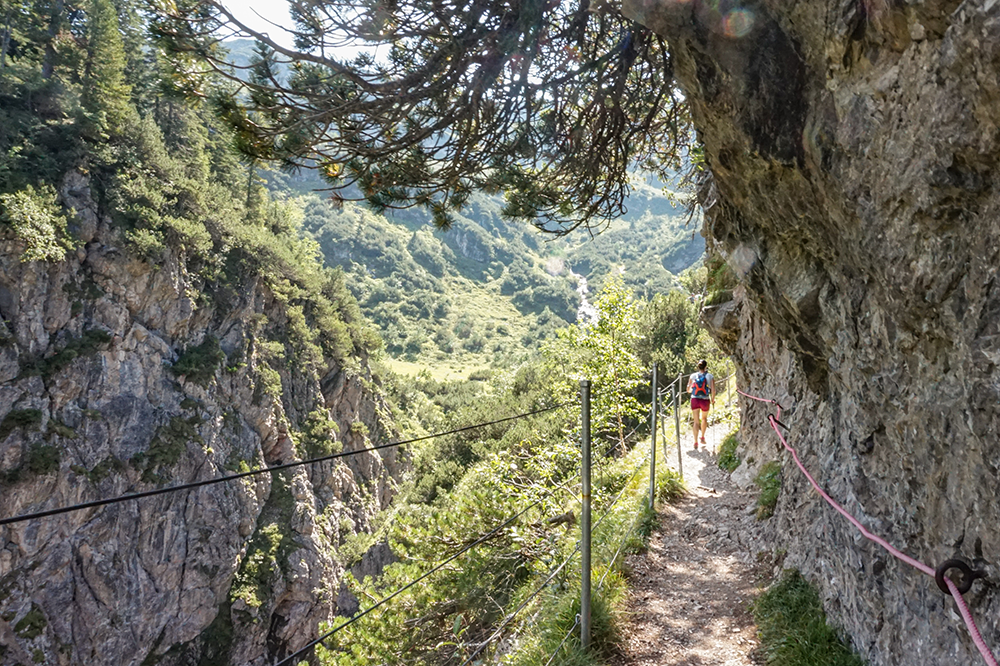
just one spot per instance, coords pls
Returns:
(738, 23)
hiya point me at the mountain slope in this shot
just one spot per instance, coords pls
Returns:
(487, 290)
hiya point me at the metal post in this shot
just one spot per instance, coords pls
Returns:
(677, 424)
(585, 517)
(663, 422)
(652, 445)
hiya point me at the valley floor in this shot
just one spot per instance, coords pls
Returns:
(690, 592)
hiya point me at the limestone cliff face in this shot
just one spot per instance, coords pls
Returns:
(853, 151)
(92, 407)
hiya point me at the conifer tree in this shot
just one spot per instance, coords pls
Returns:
(105, 93)
(141, 70)
(554, 103)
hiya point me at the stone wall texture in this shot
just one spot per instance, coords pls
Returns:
(852, 148)
(233, 573)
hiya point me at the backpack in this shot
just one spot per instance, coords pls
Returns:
(699, 386)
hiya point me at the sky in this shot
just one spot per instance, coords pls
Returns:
(257, 13)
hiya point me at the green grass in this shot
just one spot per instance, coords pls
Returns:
(769, 481)
(439, 371)
(669, 484)
(728, 458)
(793, 629)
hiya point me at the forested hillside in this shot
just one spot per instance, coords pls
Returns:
(163, 320)
(489, 290)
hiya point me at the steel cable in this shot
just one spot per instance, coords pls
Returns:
(436, 568)
(253, 472)
(565, 638)
(510, 618)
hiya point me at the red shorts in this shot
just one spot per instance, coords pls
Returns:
(701, 403)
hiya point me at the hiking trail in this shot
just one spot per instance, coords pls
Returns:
(690, 591)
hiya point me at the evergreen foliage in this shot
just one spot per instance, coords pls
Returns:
(551, 103)
(106, 95)
(36, 220)
(79, 91)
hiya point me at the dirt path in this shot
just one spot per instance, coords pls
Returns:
(690, 592)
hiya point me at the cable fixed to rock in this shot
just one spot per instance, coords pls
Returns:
(274, 468)
(956, 593)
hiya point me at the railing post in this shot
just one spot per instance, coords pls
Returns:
(652, 445)
(585, 516)
(677, 424)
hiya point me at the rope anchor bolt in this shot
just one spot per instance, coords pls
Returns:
(968, 575)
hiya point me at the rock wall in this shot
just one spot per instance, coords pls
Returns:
(90, 407)
(852, 149)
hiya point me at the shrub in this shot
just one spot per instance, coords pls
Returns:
(769, 481)
(42, 459)
(320, 434)
(37, 220)
(199, 363)
(85, 345)
(19, 418)
(166, 448)
(728, 459)
(793, 629)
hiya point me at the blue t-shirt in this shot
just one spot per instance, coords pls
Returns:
(708, 385)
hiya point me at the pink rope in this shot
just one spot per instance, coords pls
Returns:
(773, 402)
(854, 521)
(977, 638)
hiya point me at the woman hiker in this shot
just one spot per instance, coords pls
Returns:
(702, 387)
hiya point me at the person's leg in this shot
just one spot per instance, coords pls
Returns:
(695, 422)
(704, 424)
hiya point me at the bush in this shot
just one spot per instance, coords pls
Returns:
(42, 459)
(19, 418)
(37, 220)
(793, 629)
(199, 363)
(85, 345)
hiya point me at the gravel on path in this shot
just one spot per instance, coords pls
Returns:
(690, 591)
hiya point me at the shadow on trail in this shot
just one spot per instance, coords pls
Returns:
(692, 588)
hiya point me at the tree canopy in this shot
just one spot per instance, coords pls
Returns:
(552, 103)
